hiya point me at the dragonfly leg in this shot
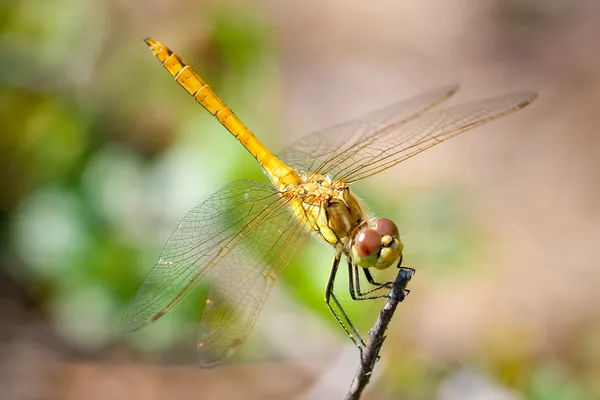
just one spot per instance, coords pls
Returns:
(372, 281)
(340, 315)
(354, 284)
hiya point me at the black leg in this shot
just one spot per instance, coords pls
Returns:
(342, 317)
(354, 285)
(354, 282)
(373, 281)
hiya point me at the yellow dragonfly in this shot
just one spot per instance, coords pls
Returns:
(246, 233)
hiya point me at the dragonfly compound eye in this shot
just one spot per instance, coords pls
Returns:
(386, 227)
(391, 246)
(365, 249)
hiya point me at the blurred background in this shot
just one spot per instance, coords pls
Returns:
(101, 155)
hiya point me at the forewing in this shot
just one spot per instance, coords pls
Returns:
(205, 237)
(398, 142)
(243, 282)
(312, 152)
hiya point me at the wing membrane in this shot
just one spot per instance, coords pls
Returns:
(242, 285)
(367, 146)
(399, 142)
(314, 152)
(214, 233)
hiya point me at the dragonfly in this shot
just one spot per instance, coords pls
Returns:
(247, 232)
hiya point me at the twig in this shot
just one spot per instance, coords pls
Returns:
(370, 354)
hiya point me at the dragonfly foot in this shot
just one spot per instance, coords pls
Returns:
(400, 296)
(406, 273)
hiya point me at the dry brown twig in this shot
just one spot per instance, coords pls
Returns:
(370, 354)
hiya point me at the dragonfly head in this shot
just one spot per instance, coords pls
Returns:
(378, 245)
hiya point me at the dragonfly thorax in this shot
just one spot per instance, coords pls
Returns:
(330, 210)
(327, 208)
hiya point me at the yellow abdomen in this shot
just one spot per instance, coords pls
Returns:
(280, 174)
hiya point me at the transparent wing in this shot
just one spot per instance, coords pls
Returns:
(396, 143)
(380, 140)
(242, 284)
(311, 152)
(215, 234)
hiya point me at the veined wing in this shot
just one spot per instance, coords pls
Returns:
(229, 230)
(396, 142)
(242, 284)
(312, 152)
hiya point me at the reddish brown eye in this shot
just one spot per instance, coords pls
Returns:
(386, 227)
(367, 243)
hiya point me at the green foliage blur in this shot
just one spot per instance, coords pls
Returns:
(103, 154)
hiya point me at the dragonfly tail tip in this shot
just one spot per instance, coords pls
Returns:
(151, 42)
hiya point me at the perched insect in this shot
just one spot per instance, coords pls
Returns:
(247, 232)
